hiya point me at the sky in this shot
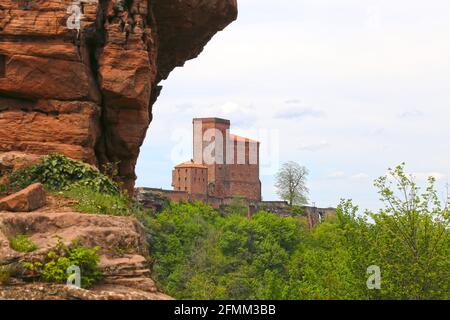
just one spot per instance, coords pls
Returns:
(346, 88)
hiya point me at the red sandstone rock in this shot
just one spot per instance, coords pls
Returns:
(126, 272)
(11, 161)
(89, 94)
(29, 199)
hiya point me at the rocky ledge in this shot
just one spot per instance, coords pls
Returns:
(124, 255)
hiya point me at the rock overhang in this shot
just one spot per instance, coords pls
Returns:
(89, 93)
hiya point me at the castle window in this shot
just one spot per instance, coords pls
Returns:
(2, 66)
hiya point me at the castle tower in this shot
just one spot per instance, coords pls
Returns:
(232, 161)
(210, 137)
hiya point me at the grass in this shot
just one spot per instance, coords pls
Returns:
(91, 201)
(94, 192)
(21, 243)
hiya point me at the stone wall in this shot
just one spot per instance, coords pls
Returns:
(190, 179)
(156, 199)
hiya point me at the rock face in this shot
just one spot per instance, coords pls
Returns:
(12, 161)
(29, 199)
(87, 91)
(124, 262)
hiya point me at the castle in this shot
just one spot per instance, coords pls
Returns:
(224, 165)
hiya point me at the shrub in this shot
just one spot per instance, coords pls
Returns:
(54, 266)
(5, 274)
(3, 188)
(297, 211)
(95, 192)
(237, 205)
(58, 172)
(22, 243)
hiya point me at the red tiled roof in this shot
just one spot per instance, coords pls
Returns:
(191, 164)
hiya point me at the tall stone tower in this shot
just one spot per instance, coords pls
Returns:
(210, 149)
(232, 161)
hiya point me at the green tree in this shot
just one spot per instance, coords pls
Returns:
(412, 242)
(200, 253)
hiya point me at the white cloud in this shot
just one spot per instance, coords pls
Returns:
(347, 73)
(360, 177)
(297, 113)
(423, 176)
(414, 113)
(315, 146)
(337, 175)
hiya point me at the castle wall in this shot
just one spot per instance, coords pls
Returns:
(243, 174)
(191, 180)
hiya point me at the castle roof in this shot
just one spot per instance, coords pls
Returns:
(191, 164)
(212, 119)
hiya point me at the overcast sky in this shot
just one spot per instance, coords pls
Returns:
(347, 88)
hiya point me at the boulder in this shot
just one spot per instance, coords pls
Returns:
(29, 199)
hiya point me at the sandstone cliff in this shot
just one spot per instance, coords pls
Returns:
(88, 93)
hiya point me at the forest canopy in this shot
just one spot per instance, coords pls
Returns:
(200, 253)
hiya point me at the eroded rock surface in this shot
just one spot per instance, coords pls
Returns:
(124, 262)
(88, 93)
(31, 198)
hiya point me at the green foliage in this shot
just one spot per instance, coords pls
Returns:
(3, 188)
(90, 201)
(5, 274)
(55, 265)
(58, 172)
(297, 210)
(22, 243)
(412, 238)
(95, 192)
(199, 254)
(237, 205)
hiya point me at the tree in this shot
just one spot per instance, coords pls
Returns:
(291, 183)
(199, 253)
(413, 238)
